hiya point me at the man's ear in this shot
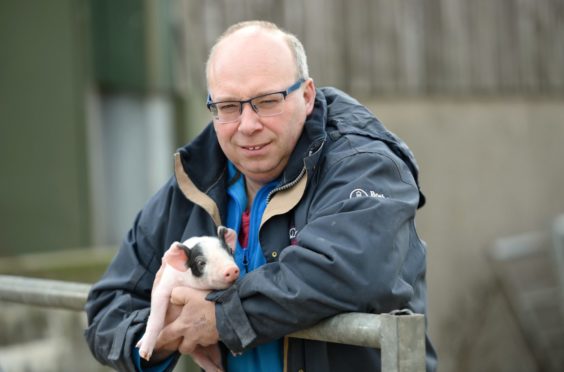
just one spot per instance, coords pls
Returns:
(177, 256)
(309, 95)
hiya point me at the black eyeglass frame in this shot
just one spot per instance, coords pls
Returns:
(284, 93)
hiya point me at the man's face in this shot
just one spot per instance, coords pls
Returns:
(245, 65)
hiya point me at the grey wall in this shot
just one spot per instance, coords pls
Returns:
(490, 168)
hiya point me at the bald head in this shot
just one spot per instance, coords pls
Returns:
(254, 40)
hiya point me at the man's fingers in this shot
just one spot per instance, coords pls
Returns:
(181, 295)
(190, 321)
(207, 359)
(184, 295)
(187, 347)
(214, 354)
(169, 338)
(172, 313)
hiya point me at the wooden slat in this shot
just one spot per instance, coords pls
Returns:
(412, 46)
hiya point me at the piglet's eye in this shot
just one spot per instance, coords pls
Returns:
(201, 265)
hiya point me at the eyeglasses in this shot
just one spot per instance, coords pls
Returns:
(270, 104)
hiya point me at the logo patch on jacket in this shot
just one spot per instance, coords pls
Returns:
(360, 193)
(293, 233)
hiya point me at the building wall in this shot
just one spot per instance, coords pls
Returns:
(490, 169)
(411, 47)
(43, 189)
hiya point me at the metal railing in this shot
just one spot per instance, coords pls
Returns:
(400, 336)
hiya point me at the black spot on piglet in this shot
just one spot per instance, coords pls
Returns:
(197, 261)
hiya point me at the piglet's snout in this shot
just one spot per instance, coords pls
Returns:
(231, 274)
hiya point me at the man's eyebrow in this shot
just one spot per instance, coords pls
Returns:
(237, 99)
(269, 91)
(225, 99)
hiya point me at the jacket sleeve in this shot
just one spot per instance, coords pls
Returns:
(358, 251)
(118, 304)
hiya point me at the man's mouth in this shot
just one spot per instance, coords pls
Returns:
(253, 148)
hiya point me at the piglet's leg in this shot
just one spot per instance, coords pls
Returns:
(160, 298)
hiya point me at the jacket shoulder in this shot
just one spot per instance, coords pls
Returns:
(353, 128)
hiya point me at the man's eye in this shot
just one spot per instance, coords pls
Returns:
(268, 101)
(228, 107)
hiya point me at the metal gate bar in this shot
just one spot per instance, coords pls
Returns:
(401, 338)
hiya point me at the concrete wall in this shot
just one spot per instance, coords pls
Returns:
(490, 168)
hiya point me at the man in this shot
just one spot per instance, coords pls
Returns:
(323, 198)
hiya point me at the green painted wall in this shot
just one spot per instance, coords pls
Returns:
(43, 174)
(118, 44)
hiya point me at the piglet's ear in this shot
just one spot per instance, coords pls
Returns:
(229, 236)
(177, 256)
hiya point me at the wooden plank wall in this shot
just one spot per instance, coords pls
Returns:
(406, 47)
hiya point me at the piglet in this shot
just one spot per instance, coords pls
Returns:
(200, 262)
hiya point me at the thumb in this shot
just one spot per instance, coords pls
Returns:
(170, 337)
(183, 295)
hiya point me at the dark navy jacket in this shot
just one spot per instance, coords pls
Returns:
(338, 236)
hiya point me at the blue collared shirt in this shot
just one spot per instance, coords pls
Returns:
(269, 356)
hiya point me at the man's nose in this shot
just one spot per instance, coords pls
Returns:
(250, 121)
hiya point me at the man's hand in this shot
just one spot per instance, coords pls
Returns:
(191, 327)
(208, 357)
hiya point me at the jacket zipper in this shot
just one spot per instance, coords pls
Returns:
(246, 260)
(297, 179)
(286, 186)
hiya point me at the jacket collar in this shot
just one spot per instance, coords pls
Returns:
(203, 160)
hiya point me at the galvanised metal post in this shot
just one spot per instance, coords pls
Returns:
(402, 342)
